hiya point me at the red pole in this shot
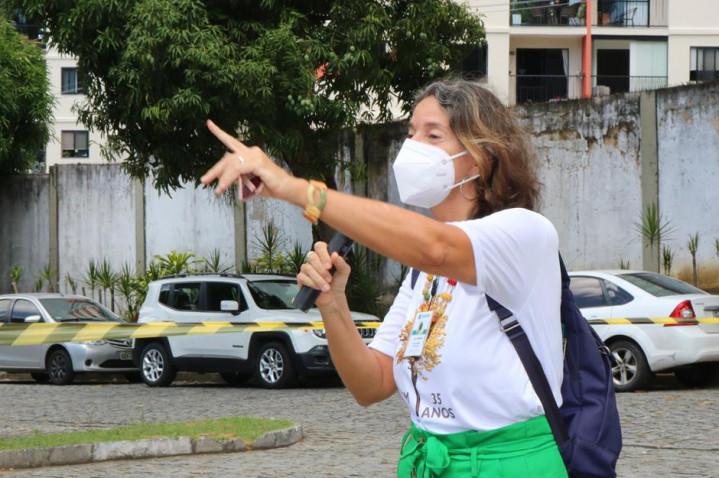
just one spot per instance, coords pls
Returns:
(587, 54)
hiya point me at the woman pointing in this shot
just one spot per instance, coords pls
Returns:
(473, 410)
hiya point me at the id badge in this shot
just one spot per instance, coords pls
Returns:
(418, 335)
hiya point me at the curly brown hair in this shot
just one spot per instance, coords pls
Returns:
(494, 138)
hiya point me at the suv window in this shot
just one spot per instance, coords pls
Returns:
(23, 308)
(588, 292)
(273, 294)
(216, 292)
(165, 294)
(185, 296)
(4, 310)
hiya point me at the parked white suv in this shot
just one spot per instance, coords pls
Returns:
(275, 358)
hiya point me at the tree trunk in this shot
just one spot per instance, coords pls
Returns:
(694, 269)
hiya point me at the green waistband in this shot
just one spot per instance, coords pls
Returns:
(431, 453)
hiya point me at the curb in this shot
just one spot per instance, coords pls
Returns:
(147, 448)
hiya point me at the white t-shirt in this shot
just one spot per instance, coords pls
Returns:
(472, 378)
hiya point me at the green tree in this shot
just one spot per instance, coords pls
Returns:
(25, 100)
(285, 75)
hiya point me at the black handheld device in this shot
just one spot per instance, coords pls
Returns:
(307, 296)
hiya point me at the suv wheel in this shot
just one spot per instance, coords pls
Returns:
(156, 366)
(630, 369)
(59, 368)
(274, 368)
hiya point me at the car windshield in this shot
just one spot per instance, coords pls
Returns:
(273, 294)
(64, 309)
(660, 285)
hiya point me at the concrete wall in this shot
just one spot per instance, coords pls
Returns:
(688, 155)
(588, 163)
(24, 229)
(96, 218)
(288, 220)
(188, 220)
(600, 161)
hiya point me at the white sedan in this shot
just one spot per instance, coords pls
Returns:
(651, 323)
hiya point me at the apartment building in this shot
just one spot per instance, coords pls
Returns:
(71, 141)
(545, 50)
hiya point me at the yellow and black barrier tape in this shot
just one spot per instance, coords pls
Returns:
(51, 333)
(654, 320)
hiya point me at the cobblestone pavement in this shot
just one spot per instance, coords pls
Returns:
(668, 431)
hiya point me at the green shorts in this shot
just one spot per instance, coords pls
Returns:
(520, 450)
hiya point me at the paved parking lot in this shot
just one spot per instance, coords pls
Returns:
(668, 432)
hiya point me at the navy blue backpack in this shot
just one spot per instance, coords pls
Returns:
(586, 428)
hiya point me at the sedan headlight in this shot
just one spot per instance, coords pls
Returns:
(95, 342)
(320, 333)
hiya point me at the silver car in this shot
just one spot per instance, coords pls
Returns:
(59, 363)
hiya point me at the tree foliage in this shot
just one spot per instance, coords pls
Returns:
(154, 70)
(25, 100)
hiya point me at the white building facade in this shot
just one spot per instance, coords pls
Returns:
(70, 141)
(535, 48)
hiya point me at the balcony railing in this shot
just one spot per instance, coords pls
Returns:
(547, 12)
(543, 88)
(614, 13)
(631, 13)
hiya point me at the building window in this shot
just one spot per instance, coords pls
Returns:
(70, 83)
(474, 65)
(75, 144)
(542, 74)
(704, 64)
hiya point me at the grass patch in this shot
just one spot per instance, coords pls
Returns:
(246, 428)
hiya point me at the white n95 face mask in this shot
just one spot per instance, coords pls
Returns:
(425, 174)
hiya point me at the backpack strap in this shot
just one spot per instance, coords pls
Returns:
(511, 326)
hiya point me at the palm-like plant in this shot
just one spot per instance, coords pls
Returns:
(107, 279)
(126, 287)
(295, 258)
(667, 259)
(154, 271)
(213, 263)
(177, 262)
(15, 276)
(70, 283)
(693, 245)
(654, 228)
(270, 243)
(47, 274)
(624, 265)
(38, 284)
(716, 247)
(91, 277)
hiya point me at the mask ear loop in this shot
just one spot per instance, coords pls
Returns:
(462, 190)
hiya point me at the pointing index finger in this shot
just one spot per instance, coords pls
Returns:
(230, 143)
